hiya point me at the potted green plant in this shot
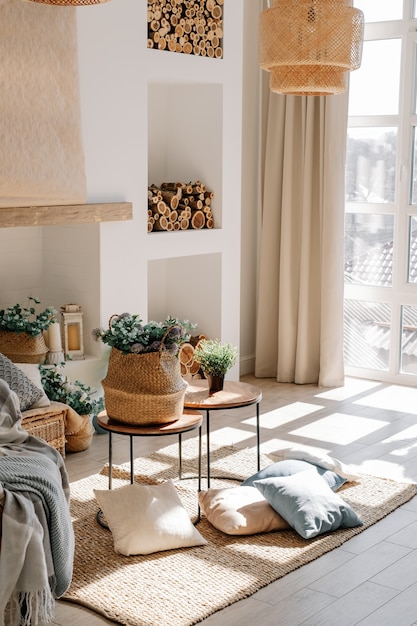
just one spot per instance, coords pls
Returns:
(80, 397)
(143, 384)
(21, 331)
(77, 395)
(215, 359)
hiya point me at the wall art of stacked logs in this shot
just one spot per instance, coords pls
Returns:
(179, 206)
(190, 369)
(187, 26)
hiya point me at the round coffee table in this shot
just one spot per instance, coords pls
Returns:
(189, 420)
(234, 395)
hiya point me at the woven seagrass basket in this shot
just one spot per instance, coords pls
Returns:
(81, 440)
(75, 3)
(23, 348)
(51, 428)
(144, 389)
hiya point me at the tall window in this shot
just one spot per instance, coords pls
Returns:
(381, 198)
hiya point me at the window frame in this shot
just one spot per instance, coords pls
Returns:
(401, 292)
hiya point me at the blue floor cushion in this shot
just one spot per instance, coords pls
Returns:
(307, 503)
(288, 467)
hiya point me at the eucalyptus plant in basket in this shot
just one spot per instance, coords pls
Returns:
(19, 319)
(130, 335)
(21, 331)
(143, 384)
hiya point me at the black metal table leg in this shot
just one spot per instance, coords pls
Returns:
(180, 456)
(110, 460)
(208, 446)
(132, 474)
(99, 515)
(258, 436)
(199, 457)
(200, 432)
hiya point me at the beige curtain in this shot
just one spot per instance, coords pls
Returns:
(300, 298)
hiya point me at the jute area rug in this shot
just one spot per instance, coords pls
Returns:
(183, 587)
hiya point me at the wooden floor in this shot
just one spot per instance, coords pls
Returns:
(372, 579)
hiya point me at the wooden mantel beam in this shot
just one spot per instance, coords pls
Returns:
(11, 217)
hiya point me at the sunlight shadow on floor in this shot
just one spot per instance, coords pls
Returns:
(392, 398)
(339, 428)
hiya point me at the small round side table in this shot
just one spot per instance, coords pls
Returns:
(189, 420)
(234, 395)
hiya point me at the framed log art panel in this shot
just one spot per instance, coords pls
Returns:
(187, 26)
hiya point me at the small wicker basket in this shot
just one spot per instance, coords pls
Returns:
(51, 428)
(81, 440)
(23, 348)
(70, 3)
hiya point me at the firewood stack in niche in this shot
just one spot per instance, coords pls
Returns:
(179, 206)
(187, 26)
(190, 369)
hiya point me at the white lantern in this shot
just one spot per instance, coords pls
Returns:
(72, 317)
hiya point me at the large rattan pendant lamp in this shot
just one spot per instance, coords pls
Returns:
(309, 46)
(69, 3)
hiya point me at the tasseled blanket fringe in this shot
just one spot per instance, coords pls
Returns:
(30, 608)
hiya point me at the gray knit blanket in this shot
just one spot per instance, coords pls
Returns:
(37, 542)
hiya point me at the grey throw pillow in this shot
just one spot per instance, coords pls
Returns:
(288, 467)
(18, 382)
(308, 504)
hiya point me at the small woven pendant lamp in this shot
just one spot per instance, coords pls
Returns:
(70, 3)
(309, 46)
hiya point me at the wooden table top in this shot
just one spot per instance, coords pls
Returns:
(233, 395)
(188, 421)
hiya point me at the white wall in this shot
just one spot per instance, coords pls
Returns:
(113, 106)
(21, 264)
(103, 267)
(250, 187)
(148, 116)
